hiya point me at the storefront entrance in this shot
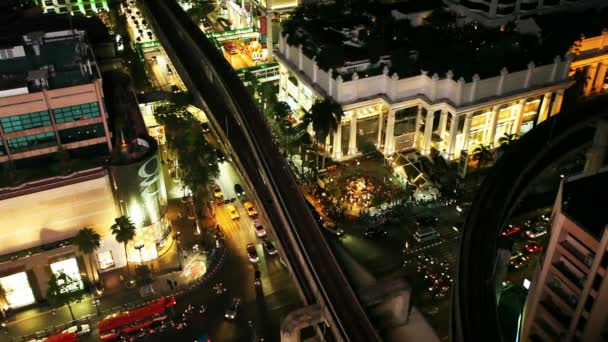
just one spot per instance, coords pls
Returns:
(17, 291)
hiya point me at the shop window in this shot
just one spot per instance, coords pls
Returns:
(17, 290)
(105, 260)
(70, 268)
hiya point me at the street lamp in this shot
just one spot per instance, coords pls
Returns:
(139, 247)
(179, 249)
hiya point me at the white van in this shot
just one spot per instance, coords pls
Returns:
(426, 234)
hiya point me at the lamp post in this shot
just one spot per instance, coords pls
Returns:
(179, 249)
(139, 247)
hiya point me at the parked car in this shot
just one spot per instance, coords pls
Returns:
(238, 189)
(250, 209)
(81, 329)
(259, 228)
(533, 247)
(220, 156)
(536, 232)
(375, 232)
(233, 309)
(205, 127)
(511, 230)
(257, 278)
(234, 214)
(269, 247)
(515, 254)
(520, 262)
(252, 253)
(217, 192)
(333, 228)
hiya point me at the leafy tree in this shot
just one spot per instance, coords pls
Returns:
(196, 157)
(88, 241)
(482, 155)
(124, 231)
(64, 290)
(325, 116)
(200, 9)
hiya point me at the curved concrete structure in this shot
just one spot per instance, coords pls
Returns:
(474, 315)
(216, 88)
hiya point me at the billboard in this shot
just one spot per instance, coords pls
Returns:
(141, 195)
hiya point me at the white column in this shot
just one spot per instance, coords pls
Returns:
(544, 108)
(466, 131)
(490, 137)
(601, 75)
(443, 120)
(300, 54)
(380, 121)
(428, 132)
(417, 126)
(590, 78)
(352, 141)
(269, 43)
(518, 115)
(389, 139)
(453, 133)
(338, 142)
(557, 102)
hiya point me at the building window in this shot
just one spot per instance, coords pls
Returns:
(2, 150)
(25, 121)
(77, 112)
(70, 268)
(81, 133)
(17, 291)
(105, 260)
(32, 142)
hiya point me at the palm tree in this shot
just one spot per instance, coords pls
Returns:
(482, 154)
(88, 241)
(325, 116)
(124, 231)
(280, 112)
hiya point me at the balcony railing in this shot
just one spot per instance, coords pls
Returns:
(585, 259)
(569, 274)
(568, 298)
(557, 312)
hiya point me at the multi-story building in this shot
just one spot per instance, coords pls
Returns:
(424, 112)
(50, 96)
(591, 61)
(499, 12)
(567, 301)
(86, 7)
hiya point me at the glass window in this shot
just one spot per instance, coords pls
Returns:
(105, 260)
(25, 121)
(32, 142)
(81, 133)
(2, 150)
(70, 268)
(77, 112)
(17, 291)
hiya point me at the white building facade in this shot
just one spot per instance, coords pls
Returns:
(423, 112)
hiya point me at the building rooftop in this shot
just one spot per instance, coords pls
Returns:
(582, 202)
(442, 42)
(52, 60)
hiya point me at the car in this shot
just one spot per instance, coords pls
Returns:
(252, 253)
(333, 228)
(511, 230)
(175, 89)
(238, 189)
(205, 127)
(169, 71)
(269, 247)
(259, 228)
(520, 262)
(533, 247)
(233, 309)
(257, 278)
(80, 330)
(220, 156)
(515, 254)
(234, 214)
(217, 192)
(536, 232)
(250, 209)
(375, 232)
(426, 221)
